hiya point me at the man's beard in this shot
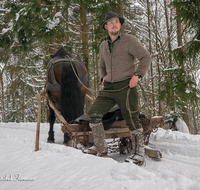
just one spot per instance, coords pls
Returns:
(114, 33)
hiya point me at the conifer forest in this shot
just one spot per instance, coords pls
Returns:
(32, 30)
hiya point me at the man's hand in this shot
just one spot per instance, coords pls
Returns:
(133, 82)
(103, 81)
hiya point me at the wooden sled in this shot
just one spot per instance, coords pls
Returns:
(81, 133)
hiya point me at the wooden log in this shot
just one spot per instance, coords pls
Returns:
(38, 96)
(153, 153)
(154, 121)
(81, 127)
(119, 124)
(110, 134)
(157, 120)
(81, 134)
(117, 133)
(75, 128)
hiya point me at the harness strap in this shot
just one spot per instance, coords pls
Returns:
(77, 63)
(55, 86)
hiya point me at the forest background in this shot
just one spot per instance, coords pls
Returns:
(32, 30)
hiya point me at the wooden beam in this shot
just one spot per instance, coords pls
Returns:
(38, 96)
(61, 118)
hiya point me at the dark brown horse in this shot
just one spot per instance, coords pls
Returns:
(64, 89)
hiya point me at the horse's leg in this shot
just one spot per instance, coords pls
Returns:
(66, 136)
(52, 119)
(66, 139)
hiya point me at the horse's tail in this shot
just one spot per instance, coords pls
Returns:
(71, 99)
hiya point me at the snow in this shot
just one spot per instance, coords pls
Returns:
(53, 23)
(181, 126)
(56, 166)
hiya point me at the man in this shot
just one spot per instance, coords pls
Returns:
(118, 73)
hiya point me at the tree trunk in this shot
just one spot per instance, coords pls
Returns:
(157, 58)
(84, 37)
(172, 104)
(23, 103)
(67, 29)
(96, 64)
(181, 64)
(2, 96)
(150, 51)
(121, 13)
(195, 130)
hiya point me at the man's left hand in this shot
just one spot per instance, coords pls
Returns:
(133, 82)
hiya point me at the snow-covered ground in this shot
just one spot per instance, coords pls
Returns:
(57, 167)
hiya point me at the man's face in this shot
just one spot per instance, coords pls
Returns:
(113, 26)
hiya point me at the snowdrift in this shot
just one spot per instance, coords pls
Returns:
(56, 166)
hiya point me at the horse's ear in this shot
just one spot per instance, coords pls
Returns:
(62, 53)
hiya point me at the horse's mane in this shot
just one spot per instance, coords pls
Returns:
(61, 53)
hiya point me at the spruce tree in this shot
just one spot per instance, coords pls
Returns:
(189, 14)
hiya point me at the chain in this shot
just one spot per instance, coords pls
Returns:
(119, 146)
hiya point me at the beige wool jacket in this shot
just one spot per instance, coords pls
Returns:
(120, 64)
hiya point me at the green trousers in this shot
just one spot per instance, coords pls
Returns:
(112, 95)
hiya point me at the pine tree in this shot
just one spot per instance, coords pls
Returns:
(189, 14)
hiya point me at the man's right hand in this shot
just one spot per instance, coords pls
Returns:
(133, 82)
(103, 81)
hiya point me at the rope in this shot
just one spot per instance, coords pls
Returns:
(88, 87)
(127, 98)
(131, 112)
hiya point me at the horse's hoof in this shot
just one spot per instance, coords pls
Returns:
(69, 143)
(50, 141)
